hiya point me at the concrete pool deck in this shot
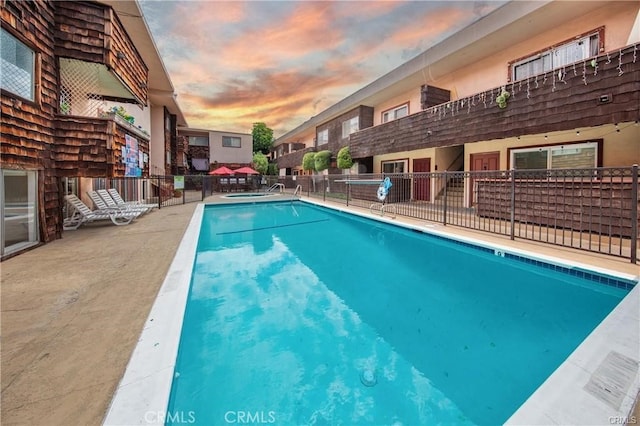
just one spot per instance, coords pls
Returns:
(72, 311)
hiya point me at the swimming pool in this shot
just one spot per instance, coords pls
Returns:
(293, 309)
(143, 394)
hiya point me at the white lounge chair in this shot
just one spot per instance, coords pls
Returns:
(102, 200)
(115, 195)
(83, 214)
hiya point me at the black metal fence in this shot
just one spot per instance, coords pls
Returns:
(588, 209)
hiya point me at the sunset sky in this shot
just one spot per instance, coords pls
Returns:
(234, 63)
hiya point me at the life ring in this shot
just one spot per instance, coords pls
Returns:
(382, 192)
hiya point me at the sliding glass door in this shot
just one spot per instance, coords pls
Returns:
(18, 210)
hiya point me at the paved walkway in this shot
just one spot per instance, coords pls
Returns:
(72, 311)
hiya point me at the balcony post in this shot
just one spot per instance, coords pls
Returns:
(634, 214)
(512, 218)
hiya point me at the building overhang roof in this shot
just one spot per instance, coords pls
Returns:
(510, 24)
(161, 90)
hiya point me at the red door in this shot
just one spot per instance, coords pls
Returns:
(422, 184)
(483, 161)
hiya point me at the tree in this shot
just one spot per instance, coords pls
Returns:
(273, 169)
(344, 158)
(262, 138)
(260, 163)
(308, 161)
(322, 160)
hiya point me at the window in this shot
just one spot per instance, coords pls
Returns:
(323, 137)
(394, 113)
(350, 126)
(231, 141)
(396, 166)
(575, 50)
(18, 67)
(572, 156)
(198, 140)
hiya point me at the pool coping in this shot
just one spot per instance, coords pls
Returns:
(142, 395)
(248, 196)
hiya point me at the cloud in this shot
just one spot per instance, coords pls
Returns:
(306, 30)
(274, 97)
(237, 62)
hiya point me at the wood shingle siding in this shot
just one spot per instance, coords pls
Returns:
(27, 127)
(81, 146)
(294, 159)
(34, 137)
(92, 147)
(336, 141)
(93, 33)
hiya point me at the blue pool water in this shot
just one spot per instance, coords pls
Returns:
(299, 315)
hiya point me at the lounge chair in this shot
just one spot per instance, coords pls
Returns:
(102, 203)
(83, 214)
(104, 200)
(115, 195)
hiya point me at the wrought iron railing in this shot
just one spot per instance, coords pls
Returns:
(588, 209)
(595, 210)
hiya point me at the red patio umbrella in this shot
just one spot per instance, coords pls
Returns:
(221, 171)
(247, 170)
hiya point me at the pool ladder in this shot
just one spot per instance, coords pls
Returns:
(380, 209)
(278, 185)
(297, 192)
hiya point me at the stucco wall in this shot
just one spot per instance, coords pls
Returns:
(619, 148)
(618, 19)
(221, 154)
(412, 96)
(156, 145)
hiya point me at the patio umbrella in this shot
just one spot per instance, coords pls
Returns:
(221, 171)
(247, 170)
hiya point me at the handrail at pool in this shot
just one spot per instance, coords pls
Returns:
(276, 185)
(381, 207)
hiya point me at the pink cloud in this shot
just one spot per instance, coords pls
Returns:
(276, 99)
(304, 31)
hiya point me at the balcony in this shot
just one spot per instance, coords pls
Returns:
(98, 60)
(585, 94)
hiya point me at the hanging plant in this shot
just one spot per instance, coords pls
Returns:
(502, 99)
